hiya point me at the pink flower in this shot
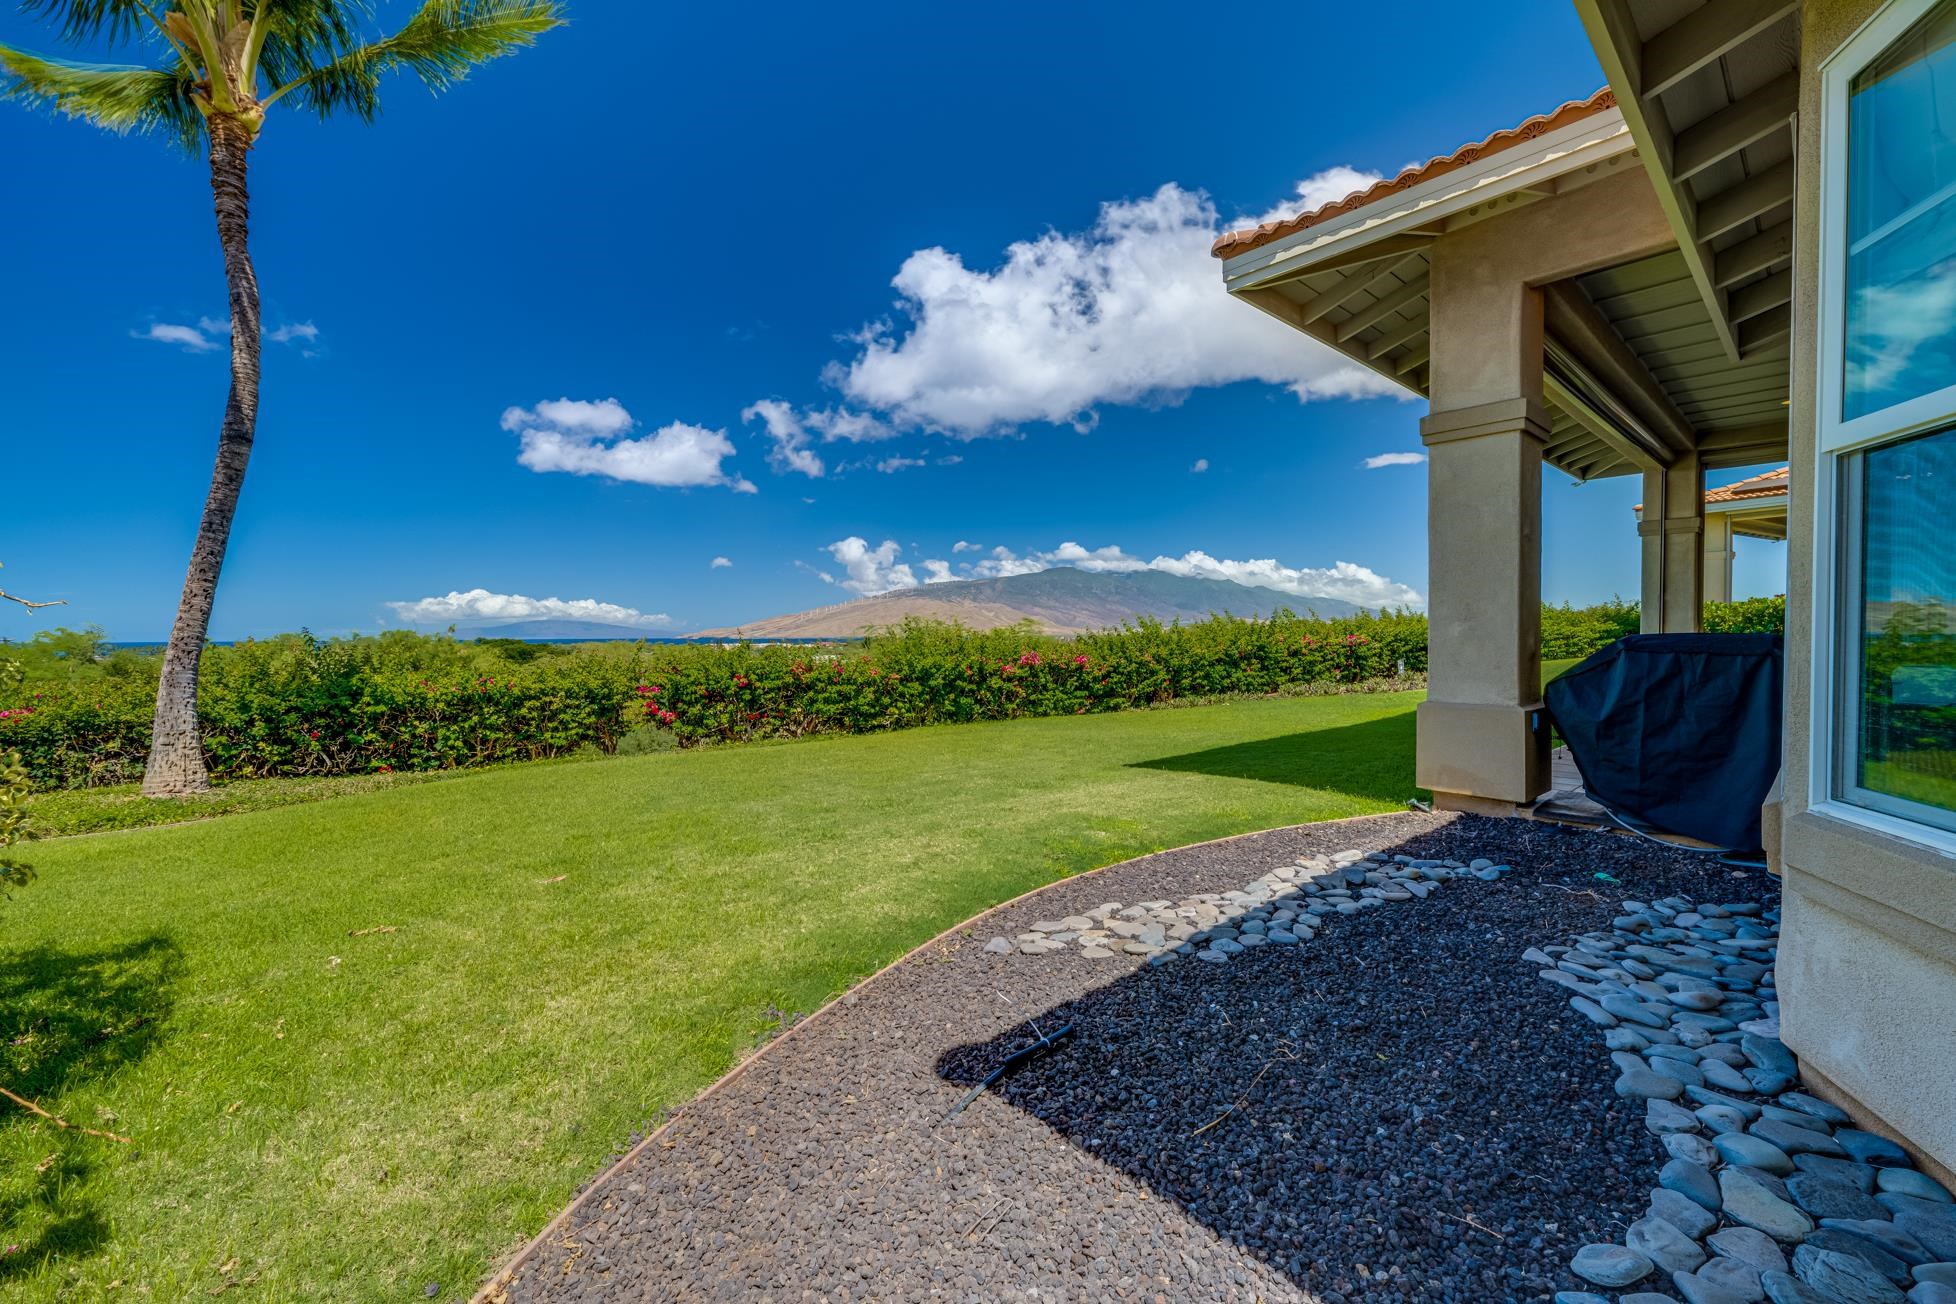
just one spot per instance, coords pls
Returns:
(1080, 660)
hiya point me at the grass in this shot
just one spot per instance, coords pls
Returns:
(371, 1043)
(100, 810)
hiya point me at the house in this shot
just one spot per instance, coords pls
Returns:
(1741, 250)
(1752, 508)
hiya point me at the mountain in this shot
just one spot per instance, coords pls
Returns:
(1062, 600)
(595, 631)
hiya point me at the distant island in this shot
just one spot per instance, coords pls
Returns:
(1062, 600)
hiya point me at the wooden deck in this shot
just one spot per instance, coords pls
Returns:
(1566, 802)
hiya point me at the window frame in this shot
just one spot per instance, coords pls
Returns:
(1924, 411)
(1838, 471)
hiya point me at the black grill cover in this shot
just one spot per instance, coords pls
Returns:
(1680, 731)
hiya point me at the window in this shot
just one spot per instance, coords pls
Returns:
(1898, 656)
(1885, 718)
(1901, 220)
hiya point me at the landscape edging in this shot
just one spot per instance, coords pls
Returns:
(500, 1278)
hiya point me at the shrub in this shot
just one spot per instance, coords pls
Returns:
(1747, 616)
(1578, 631)
(299, 706)
(14, 788)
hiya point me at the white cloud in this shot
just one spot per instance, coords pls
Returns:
(794, 431)
(965, 545)
(1343, 580)
(484, 606)
(1201, 465)
(1004, 561)
(872, 570)
(189, 338)
(573, 416)
(791, 451)
(889, 464)
(1317, 190)
(719, 563)
(589, 438)
(840, 423)
(1130, 311)
(880, 570)
(1394, 459)
(204, 336)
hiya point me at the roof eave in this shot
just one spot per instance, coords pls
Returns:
(1461, 195)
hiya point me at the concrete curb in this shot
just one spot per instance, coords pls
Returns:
(492, 1291)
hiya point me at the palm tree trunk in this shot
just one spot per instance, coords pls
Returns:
(176, 753)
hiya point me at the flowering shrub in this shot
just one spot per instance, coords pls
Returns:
(298, 706)
(928, 673)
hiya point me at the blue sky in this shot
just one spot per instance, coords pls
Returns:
(693, 263)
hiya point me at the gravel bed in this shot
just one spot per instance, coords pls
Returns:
(1395, 1109)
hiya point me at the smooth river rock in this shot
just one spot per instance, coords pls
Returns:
(1750, 1204)
(1755, 1249)
(1842, 1278)
(1664, 1245)
(1610, 1265)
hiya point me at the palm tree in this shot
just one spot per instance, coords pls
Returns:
(223, 65)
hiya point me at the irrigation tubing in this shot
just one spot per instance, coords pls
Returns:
(1009, 1064)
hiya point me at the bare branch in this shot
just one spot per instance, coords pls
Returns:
(31, 606)
(33, 1108)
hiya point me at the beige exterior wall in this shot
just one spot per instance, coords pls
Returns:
(1481, 745)
(1867, 968)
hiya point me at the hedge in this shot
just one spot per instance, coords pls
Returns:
(301, 706)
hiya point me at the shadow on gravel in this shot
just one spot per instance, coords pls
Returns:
(68, 1018)
(1373, 759)
(1397, 1109)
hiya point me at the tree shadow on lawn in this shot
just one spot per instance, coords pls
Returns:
(1394, 1110)
(69, 1018)
(1373, 759)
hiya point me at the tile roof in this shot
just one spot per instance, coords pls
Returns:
(1769, 484)
(1231, 243)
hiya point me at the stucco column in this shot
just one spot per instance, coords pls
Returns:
(1482, 742)
(1719, 551)
(1673, 533)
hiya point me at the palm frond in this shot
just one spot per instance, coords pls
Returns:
(440, 44)
(80, 20)
(301, 35)
(119, 98)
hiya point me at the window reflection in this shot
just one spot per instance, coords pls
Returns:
(1908, 621)
(1901, 220)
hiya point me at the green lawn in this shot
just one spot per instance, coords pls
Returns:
(123, 806)
(327, 1115)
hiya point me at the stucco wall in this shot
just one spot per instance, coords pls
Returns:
(1867, 968)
